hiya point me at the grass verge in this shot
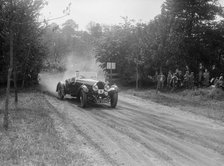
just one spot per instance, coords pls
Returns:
(206, 101)
(31, 138)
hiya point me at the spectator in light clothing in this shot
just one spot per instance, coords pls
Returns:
(214, 74)
(206, 77)
(220, 82)
(160, 80)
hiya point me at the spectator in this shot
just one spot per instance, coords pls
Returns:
(216, 82)
(177, 73)
(187, 79)
(160, 81)
(187, 69)
(175, 79)
(214, 74)
(169, 79)
(156, 77)
(220, 82)
(181, 79)
(191, 80)
(206, 77)
(200, 74)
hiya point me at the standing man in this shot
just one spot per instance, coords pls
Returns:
(206, 77)
(181, 79)
(191, 80)
(187, 69)
(77, 74)
(160, 81)
(169, 79)
(187, 79)
(175, 79)
(214, 74)
(200, 74)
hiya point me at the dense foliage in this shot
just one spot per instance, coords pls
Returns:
(21, 16)
(185, 33)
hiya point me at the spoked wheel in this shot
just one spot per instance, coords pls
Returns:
(113, 100)
(83, 99)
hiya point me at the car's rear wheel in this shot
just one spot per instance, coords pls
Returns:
(61, 92)
(83, 99)
(113, 100)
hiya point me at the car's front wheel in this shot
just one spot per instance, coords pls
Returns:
(61, 92)
(83, 99)
(113, 100)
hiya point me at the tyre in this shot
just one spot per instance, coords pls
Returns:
(83, 99)
(113, 100)
(61, 92)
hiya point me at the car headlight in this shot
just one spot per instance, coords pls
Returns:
(95, 87)
(114, 87)
(106, 87)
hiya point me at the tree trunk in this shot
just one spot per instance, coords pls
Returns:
(17, 49)
(137, 76)
(15, 82)
(23, 81)
(24, 73)
(6, 112)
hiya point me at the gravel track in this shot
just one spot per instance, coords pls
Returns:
(138, 132)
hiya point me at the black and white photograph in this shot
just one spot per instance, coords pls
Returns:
(111, 82)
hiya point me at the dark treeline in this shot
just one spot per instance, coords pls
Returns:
(21, 18)
(186, 32)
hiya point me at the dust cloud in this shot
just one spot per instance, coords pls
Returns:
(86, 65)
(72, 63)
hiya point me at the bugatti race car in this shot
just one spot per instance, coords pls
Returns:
(88, 90)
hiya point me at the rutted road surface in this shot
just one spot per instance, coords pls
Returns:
(138, 132)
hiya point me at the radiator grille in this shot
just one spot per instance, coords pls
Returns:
(100, 85)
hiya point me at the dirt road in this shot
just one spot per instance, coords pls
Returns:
(138, 132)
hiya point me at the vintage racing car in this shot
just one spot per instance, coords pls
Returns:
(88, 90)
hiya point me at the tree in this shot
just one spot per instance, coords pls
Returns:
(189, 23)
(185, 33)
(16, 17)
(115, 46)
(95, 30)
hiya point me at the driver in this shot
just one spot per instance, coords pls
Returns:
(77, 74)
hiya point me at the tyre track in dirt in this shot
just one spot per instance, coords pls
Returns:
(138, 133)
(99, 157)
(171, 133)
(107, 142)
(164, 128)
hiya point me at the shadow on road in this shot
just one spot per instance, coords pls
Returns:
(90, 106)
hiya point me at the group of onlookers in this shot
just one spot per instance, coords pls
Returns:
(188, 79)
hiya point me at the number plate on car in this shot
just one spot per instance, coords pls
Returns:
(100, 91)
